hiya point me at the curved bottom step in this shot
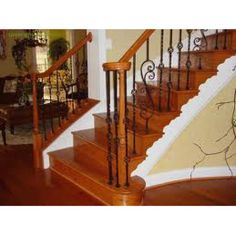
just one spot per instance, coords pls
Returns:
(63, 163)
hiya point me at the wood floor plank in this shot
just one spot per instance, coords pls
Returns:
(20, 184)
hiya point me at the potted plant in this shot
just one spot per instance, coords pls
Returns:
(58, 48)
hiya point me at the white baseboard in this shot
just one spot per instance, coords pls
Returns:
(184, 174)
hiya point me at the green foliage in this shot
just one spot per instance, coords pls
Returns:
(58, 48)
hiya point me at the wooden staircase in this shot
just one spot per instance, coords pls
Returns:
(86, 164)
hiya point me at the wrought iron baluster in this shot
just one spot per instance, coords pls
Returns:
(200, 42)
(147, 72)
(72, 86)
(217, 37)
(147, 49)
(43, 111)
(160, 67)
(188, 62)
(116, 121)
(179, 46)
(225, 39)
(50, 103)
(58, 98)
(126, 135)
(109, 131)
(134, 92)
(169, 83)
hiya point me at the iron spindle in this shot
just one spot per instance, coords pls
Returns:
(72, 87)
(225, 39)
(134, 92)
(50, 103)
(58, 98)
(169, 83)
(188, 62)
(116, 121)
(126, 135)
(217, 37)
(109, 131)
(147, 49)
(179, 46)
(43, 115)
(161, 66)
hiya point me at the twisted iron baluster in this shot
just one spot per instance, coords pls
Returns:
(134, 92)
(43, 112)
(72, 87)
(50, 102)
(126, 135)
(179, 46)
(116, 121)
(109, 132)
(160, 67)
(216, 44)
(169, 83)
(188, 62)
(58, 98)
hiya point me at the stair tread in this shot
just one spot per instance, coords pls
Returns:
(90, 136)
(66, 155)
(140, 129)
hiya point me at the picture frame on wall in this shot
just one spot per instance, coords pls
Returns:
(3, 44)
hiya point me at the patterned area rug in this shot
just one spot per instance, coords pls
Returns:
(23, 135)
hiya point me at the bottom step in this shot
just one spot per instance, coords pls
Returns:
(63, 163)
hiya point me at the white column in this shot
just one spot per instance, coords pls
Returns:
(96, 57)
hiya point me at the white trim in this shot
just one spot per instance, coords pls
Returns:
(184, 174)
(96, 51)
(208, 90)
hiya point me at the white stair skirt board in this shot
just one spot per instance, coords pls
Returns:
(208, 90)
(184, 174)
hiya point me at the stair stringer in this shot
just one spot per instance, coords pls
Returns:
(207, 91)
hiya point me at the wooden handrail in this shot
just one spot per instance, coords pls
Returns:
(65, 57)
(137, 44)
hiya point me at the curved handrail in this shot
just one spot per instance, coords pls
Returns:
(65, 57)
(137, 44)
(129, 53)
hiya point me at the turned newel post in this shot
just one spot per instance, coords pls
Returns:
(120, 161)
(37, 141)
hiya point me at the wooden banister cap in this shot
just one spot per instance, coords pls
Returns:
(116, 66)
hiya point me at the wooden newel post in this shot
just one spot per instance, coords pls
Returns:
(37, 141)
(121, 130)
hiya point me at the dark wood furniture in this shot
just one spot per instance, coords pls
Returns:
(15, 115)
(2, 128)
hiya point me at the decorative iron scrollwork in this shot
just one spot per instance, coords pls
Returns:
(200, 42)
(147, 73)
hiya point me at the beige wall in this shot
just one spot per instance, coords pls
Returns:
(210, 125)
(7, 66)
(123, 39)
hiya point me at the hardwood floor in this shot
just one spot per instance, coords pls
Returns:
(21, 185)
(202, 192)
